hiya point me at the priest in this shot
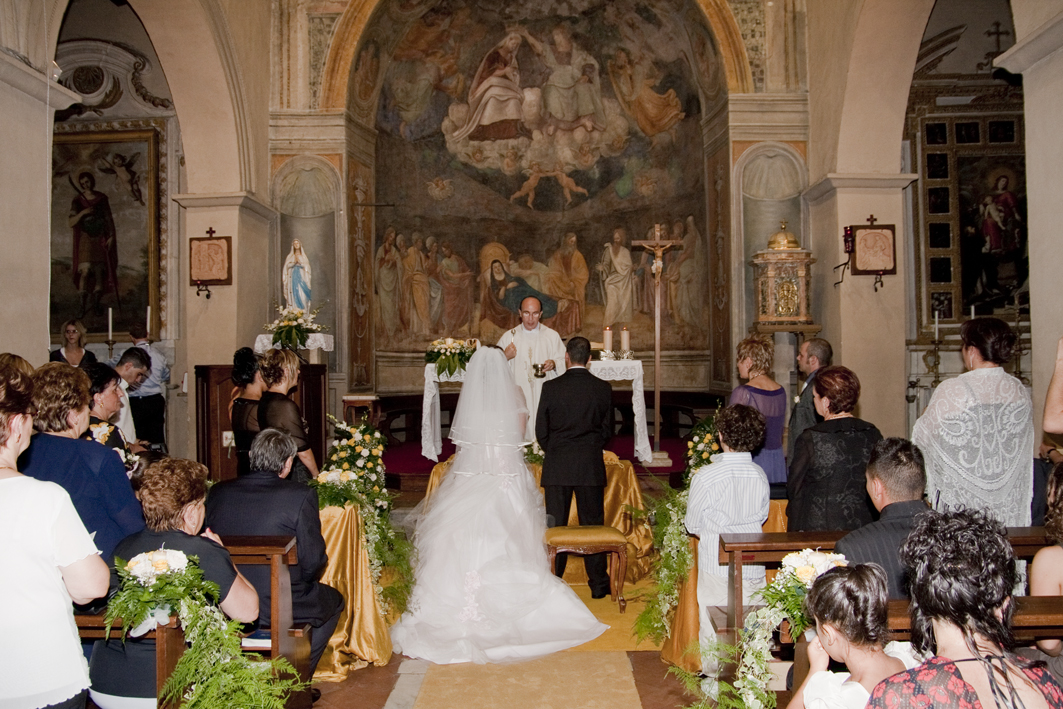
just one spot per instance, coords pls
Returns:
(531, 343)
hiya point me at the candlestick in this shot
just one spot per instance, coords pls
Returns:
(607, 339)
(147, 325)
(110, 324)
(936, 337)
(625, 340)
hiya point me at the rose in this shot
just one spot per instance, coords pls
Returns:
(806, 574)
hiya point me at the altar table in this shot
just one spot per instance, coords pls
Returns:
(609, 370)
(622, 493)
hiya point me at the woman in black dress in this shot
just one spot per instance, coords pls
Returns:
(73, 351)
(827, 487)
(280, 372)
(243, 408)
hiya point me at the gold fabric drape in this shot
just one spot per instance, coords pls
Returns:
(685, 624)
(361, 635)
(621, 492)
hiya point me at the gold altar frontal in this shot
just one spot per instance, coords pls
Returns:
(622, 493)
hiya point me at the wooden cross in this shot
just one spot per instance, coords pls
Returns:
(211, 232)
(871, 220)
(658, 246)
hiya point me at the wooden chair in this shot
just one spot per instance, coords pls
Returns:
(592, 539)
(291, 643)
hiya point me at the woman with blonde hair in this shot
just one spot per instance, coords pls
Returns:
(755, 357)
(280, 372)
(73, 350)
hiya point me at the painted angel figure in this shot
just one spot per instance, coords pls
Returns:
(297, 278)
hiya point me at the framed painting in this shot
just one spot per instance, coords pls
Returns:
(875, 252)
(210, 261)
(105, 229)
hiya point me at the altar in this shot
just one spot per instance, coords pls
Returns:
(610, 370)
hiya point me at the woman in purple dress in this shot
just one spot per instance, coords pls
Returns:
(756, 356)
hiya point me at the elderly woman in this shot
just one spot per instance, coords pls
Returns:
(73, 350)
(93, 475)
(105, 401)
(756, 356)
(827, 488)
(49, 560)
(243, 409)
(280, 372)
(977, 431)
(9, 359)
(173, 492)
(961, 571)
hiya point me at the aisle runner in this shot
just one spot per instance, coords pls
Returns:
(619, 635)
(589, 680)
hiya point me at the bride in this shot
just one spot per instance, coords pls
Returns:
(483, 592)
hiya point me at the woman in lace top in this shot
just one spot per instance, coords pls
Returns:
(756, 356)
(977, 432)
(280, 372)
(961, 571)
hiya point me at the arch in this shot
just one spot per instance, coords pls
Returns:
(287, 178)
(351, 26)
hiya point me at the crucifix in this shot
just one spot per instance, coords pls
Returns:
(658, 246)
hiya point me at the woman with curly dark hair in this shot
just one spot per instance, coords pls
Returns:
(849, 605)
(961, 571)
(827, 487)
(243, 409)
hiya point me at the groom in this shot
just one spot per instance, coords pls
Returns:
(573, 424)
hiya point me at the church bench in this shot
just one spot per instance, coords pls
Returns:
(294, 644)
(768, 548)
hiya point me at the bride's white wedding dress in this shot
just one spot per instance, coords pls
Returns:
(483, 591)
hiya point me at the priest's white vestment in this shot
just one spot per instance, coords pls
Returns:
(533, 347)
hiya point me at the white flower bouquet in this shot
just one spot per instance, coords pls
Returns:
(293, 326)
(450, 355)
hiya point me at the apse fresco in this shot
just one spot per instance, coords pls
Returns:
(521, 149)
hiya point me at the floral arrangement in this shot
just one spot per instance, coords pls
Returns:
(450, 355)
(354, 473)
(213, 672)
(702, 444)
(533, 453)
(787, 592)
(293, 326)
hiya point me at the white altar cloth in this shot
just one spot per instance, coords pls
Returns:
(613, 370)
(316, 340)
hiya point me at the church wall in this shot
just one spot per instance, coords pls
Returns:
(1030, 15)
(831, 24)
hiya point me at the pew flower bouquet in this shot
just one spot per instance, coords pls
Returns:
(293, 327)
(702, 445)
(353, 472)
(450, 355)
(213, 672)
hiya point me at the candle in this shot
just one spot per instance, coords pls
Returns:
(110, 324)
(607, 338)
(625, 340)
(936, 326)
(972, 313)
(148, 324)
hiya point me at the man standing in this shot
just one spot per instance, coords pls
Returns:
(573, 424)
(896, 479)
(148, 401)
(133, 368)
(528, 344)
(815, 354)
(264, 503)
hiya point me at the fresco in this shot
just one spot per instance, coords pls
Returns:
(522, 149)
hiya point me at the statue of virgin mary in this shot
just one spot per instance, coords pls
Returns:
(297, 278)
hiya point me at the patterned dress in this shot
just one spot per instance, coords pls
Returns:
(938, 683)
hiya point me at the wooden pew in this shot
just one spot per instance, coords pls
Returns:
(291, 643)
(739, 549)
(1034, 617)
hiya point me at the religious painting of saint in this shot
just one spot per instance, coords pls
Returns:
(105, 230)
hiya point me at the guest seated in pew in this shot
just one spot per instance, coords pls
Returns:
(93, 475)
(729, 496)
(827, 487)
(265, 503)
(896, 478)
(173, 493)
(1046, 573)
(849, 605)
(48, 560)
(961, 571)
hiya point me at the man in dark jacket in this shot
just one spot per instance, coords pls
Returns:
(264, 503)
(573, 424)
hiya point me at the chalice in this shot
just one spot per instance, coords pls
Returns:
(537, 369)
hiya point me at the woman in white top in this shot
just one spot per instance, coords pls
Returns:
(849, 605)
(48, 560)
(977, 432)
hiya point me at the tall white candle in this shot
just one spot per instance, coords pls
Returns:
(625, 340)
(147, 325)
(972, 313)
(936, 326)
(607, 338)
(110, 324)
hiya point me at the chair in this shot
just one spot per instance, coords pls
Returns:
(592, 539)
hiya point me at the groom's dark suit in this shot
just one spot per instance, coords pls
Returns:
(573, 424)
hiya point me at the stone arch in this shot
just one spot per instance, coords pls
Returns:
(339, 65)
(288, 181)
